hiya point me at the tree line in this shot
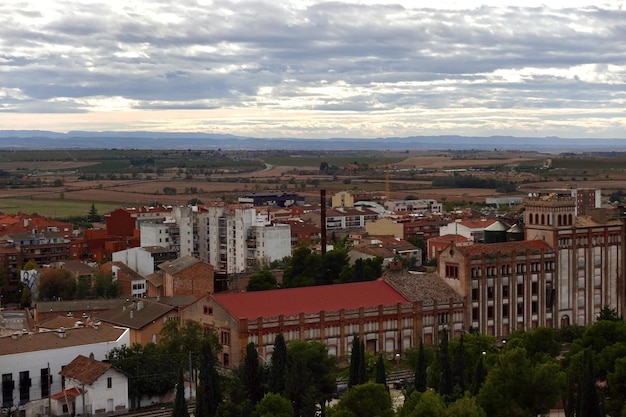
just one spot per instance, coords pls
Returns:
(584, 369)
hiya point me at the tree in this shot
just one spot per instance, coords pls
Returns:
(278, 366)
(446, 383)
(420, 369)
(252, 374)
(420, 404)
(588, 401)
(180, 402)
(93, 216)
(460, 366)
(105, 286)
(465, 406)
(356, 363)
(616, 399)
(303, 268)
(608, 313)
(26, 298)
(540, 344)
(152, 372)
(56, 283)
(478, 377)
(366, 400)
(262, 280)
(310, 376)
(273, 405)
(518, 386)
(381, 374)
(209, 394)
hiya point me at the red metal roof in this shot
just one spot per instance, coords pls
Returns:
(292, 301)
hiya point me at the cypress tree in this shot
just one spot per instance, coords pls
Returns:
(446, 382)
(479, 376)
(588, 401)
(362, 367)
(420, 369)
(460, 372)
(209, 394)
(278, 368)
(253, 377)
(381, 374)
(355, 362)
(180, 403)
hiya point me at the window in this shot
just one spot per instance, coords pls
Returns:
(226, 360)
(505, 311)
(7, 390)
(490, 293)
(24, 387)
(452, 271)
(45, 382)
(533, 288)
(490, 312)
(208, 310)
(520, 309)
(505, 291)
(225, 338)
(475, 294)
(475, 314)
(109, 382)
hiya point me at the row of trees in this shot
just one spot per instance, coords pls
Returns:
(307, 268)
(473, 375)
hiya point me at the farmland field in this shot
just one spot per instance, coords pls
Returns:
(62, 183)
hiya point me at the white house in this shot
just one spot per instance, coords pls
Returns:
(30, 362)
(91, 387)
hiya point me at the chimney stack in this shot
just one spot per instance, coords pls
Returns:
(323, 219)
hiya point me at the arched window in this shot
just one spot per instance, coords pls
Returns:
(564, 321)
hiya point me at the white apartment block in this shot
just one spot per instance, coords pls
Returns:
(231, 238)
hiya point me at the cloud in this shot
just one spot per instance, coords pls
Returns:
(341, 68)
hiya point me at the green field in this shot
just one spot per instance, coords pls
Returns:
(339, 161)
(54, 208)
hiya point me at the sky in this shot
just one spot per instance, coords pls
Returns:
(315, 69)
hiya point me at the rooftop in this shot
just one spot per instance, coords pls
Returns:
(135, 314)
(85, 369)
(421, 287)
(308, 300)
(505, 247)
(34, 342)
(178, 265)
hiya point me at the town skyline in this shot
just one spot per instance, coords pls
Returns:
(316, 69)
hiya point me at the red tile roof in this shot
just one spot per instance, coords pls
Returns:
(70, 392)
(449, 238)
(85, 369)
(292, 301)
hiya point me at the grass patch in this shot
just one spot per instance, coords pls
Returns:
(57, 208)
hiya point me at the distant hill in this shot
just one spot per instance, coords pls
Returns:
(35, 139)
